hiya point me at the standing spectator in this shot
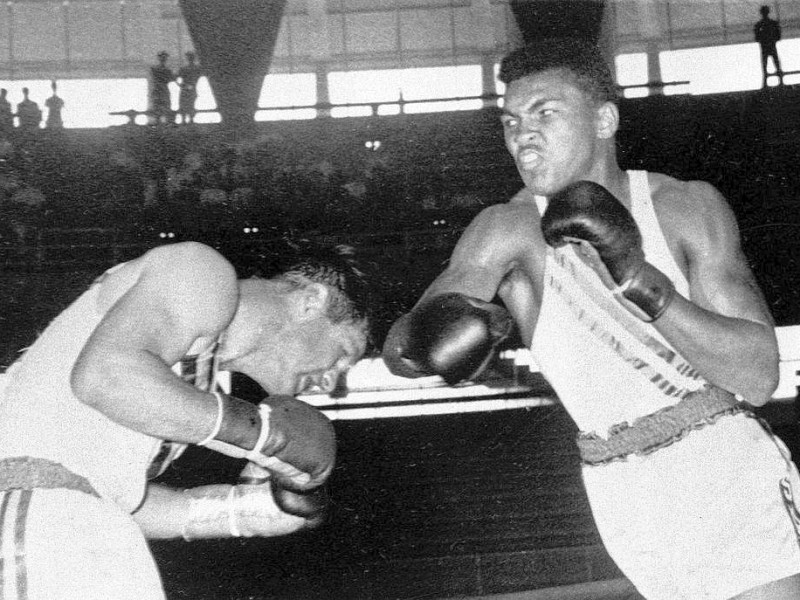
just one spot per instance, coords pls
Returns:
(188, 75)
(160, 99)
(6, 115)
(28, 113)
(768, 33)
(54, 105)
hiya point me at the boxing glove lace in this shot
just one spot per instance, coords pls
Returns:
(296, 443)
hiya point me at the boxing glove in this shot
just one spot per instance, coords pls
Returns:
(311, 505)
(296, 443)
(216, 511)
(451, 335)
(588, 214)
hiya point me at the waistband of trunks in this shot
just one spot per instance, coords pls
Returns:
(659, 429)
(28, 473)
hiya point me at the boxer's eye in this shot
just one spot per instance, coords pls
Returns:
(509, 122)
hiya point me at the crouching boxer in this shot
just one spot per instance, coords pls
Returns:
(119, 384)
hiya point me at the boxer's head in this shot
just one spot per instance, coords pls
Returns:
(302, 320)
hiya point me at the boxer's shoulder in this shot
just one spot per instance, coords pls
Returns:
(681, 204)
(188, 277)
(675, 195)
(521, 206)
(509, 224)
(691, 212)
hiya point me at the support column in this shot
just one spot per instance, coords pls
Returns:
(235, 40)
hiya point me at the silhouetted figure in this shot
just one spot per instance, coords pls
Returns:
(160, 100)
(188, 75)
(6, 115)
(54, 105)
(767, 33)
(29, 115)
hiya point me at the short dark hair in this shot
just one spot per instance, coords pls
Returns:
(581, 58)
(298, 262)
(337, 268)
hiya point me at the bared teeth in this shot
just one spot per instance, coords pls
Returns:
(528, 157)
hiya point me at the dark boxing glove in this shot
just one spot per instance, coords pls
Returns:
(587, 213)
(311, 505)
(451, 335)
(297, 443)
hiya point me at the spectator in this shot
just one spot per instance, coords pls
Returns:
(160, 98)
(6, 115)
(54, 105)
(29, 114)
(768, 33)
(188, 75)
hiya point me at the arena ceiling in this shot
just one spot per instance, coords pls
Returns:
(42, 39)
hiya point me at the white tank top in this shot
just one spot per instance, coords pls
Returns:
(607, 366)
(40, 417)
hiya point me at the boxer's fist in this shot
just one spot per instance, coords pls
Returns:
(296, 443)
(589, 215)
(451, 335)
(300, 441)
(311, 505)
(215, 511)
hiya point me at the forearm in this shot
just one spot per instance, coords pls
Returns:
(163, 512)
(223, 511)
(736, 354)
(142, 393)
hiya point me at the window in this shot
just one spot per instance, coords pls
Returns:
(712, 70)
(632, 70)
(423, 90)
(291, 89)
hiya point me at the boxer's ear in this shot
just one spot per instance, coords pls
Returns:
(312, 301)
(607, 121)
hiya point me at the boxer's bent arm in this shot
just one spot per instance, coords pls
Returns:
(184, 292)
(496, 241)
(162, 512)
(725, 329)
(214, 511)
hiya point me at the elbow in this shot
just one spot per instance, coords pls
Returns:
(88, 383)
(763, 383)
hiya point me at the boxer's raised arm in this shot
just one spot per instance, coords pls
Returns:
(493, 244)
(454, 329)
(724, 328)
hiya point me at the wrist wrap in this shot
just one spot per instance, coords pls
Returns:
(648, 292)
